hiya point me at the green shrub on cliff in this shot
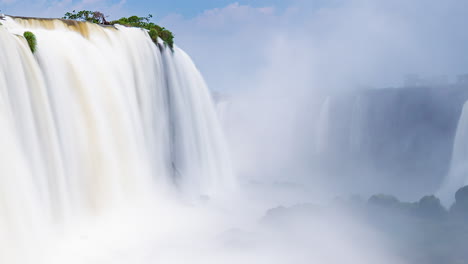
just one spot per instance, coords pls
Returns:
(154, 30)
(31, 39)
(167, 36)
(153, 33)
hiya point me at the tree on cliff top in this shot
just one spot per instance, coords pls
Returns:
(86, 15)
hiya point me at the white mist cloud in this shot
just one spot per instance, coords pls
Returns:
(177, 233)
(278, 64)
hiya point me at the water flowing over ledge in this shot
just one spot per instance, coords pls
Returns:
(457, 175)
(98, 116)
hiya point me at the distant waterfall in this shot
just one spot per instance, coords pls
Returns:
(322, 136)
(358, 126)
(458, 174)
(95, 117)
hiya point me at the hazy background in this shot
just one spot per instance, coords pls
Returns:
(276, 64)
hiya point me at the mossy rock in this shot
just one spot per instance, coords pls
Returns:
(31, 39)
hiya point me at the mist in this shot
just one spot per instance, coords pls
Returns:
(292, 59)
(323, 102)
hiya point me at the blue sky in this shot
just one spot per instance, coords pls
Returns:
(190, 8)
(159, 8)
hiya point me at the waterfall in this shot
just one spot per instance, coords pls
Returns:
(323, 128)
(457, 176)
(97, 116)
(358, 125)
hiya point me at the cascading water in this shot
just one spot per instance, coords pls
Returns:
(357, 136)
(96, 117)
(323, 127)
(457, 176)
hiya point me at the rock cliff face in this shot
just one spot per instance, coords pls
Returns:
(403, 136)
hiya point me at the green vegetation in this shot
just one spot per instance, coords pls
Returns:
(86, 15)
(31, 39)
(154, 31)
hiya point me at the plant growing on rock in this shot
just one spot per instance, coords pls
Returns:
(154, 30)
(31, 39)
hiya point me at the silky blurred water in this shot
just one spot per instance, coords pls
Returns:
(96, 121)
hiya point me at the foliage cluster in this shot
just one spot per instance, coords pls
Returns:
(86, 15)
(155, 31)
(31, 39)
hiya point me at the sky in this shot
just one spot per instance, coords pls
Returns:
(179, 16)
(159, 8)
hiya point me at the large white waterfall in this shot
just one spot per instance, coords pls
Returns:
(96, 117)
(457, 176)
